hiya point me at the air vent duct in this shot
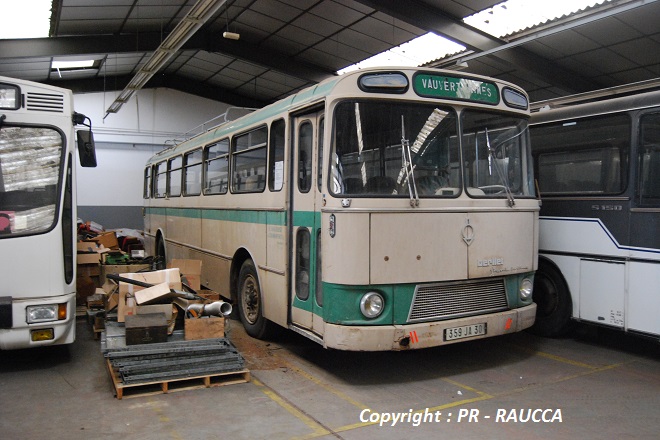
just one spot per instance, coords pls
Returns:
(45, 102)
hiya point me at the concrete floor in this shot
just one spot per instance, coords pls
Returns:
(596, 384)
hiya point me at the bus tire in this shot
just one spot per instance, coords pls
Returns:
(250, 303)
(554, 306)
(161, 261)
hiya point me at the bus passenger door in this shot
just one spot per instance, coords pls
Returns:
(643, 300)
(306, 222)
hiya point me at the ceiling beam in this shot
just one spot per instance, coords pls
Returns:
(425, 16)
(182, 84)
(147, 42)
(258, 55)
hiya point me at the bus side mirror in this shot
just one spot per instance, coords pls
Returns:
(86, 149)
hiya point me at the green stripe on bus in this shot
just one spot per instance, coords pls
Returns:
(231, 215)
(306, 218)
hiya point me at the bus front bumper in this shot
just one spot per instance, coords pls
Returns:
(23, 335)
(427, 334)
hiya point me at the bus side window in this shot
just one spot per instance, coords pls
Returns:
(216, 167)
(147, 183)
(303, 244)
(305, 140)
(649, 160)
(319, 167)
(192, 173)
(249, 161)
(160, 182)
(276, 156)
(174, 177)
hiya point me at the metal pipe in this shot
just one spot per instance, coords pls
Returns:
(217, 308)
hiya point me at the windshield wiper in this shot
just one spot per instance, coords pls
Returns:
(500, 172)
(407, 165)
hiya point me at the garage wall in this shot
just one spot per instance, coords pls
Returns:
(111, 193)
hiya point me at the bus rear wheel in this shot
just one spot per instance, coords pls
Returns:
(553, 302)
(250, 303)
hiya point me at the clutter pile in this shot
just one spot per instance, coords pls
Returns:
(159, 330)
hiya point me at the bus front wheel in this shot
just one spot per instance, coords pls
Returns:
(251, 303)
(553, 302)
(161, 261)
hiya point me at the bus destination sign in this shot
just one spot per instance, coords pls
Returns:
(449, 87)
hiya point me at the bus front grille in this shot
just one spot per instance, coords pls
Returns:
(457, 299)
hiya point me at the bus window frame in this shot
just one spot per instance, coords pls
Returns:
(171, 171)
(624, 148)
(643, 201)
(205, 163)
(309, 171)
(274, 148)
(186, 167)
(147, 186)
(156, 175)
(234, 186)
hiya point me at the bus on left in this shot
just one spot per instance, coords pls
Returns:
(38, 212)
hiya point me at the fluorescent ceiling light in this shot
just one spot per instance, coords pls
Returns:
(83, 64)
(505, 18)
(25, 19)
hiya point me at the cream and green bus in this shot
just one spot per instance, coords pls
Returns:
(384, 209)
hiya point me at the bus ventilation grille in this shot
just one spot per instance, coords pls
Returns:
(45, 102)
(457, 299)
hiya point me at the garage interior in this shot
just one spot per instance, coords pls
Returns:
(140, 91)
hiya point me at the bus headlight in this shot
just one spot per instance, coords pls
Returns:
(371, 304)
(45, 313)
(525, 290)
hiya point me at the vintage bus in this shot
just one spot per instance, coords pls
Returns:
(598, 170)
(38, 212)
(379, 210)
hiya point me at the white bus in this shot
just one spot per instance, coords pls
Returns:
(38, 213)
(379, 210)
(598, 170)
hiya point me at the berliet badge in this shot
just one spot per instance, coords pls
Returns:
(468, 233)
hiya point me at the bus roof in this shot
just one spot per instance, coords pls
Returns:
(622, 103)
(306, 97)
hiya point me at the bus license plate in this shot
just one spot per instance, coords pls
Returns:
(465, 331)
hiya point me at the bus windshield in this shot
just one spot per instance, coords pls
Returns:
(30, 162)
(391, 149)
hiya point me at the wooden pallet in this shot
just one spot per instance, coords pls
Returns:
(172, 385)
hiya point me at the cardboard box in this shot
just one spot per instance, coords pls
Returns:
(110, 291)
(106, 239)
(191, 271)
(87, 246)
(88, 258)
(121, 268)
(209, 295)
(146, 328)
(204, 328)
(155, 294)
(127, 304)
